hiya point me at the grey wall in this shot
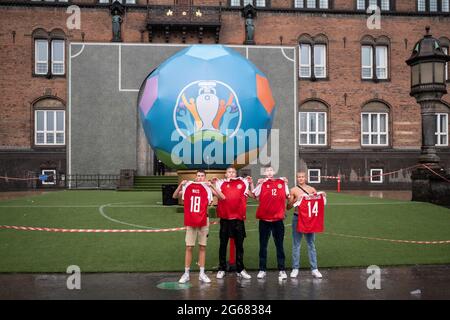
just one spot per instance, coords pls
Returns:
(105, 132)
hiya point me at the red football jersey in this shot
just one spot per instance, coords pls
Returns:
(197, 196)
(311, 212)
(272, 194)
(235, 204)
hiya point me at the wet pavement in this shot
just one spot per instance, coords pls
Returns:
(414, 282)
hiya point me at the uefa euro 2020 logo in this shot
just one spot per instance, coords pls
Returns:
(207, 108)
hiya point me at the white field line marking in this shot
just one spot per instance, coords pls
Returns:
(102, 212)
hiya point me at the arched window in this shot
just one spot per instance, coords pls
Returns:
(49, 122)
(375, 123)
(313, 123)
(313, 57)
(375, 58)
(49, 52)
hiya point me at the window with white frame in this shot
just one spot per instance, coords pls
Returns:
(442, 129)
(374, 129)
(58, 57)
(433, 5)
(376, 175)
(381, 62)
(260, 3)
(384, 5)
(316, 63)
(313, 175)
(49, 176)
(41, 56)
(49, 127)
(313, 128)
(312, 4)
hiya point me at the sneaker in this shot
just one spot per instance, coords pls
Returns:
(282, 275)
(261, 275)
(204, 278)
(184, 278)
(294, 273)
(220, 274)
(244, 275)
(316, 274)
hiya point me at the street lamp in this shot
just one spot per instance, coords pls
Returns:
(428, 85)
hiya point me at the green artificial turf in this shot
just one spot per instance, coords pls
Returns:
(36, 251)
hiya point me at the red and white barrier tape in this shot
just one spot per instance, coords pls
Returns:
(389, 240)
(62, 230)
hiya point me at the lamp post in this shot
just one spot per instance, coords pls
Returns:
(428, 85)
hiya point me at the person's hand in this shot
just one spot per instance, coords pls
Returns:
(183, 182)
(249, 179)
(214, 180)
(209, 184)
(285, 180)
(261, 180)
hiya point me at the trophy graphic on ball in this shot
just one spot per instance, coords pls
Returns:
(207, 104)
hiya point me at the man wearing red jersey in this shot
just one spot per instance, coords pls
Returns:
(296, 194)
(197, 196)
(232, 214)
(271, 193)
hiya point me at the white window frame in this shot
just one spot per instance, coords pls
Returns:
(324, 57)
(447, 5)
(36, 55)
(63, 57)
(261, 4)
(439, 132)
(421, 5)
(385, 51)
(378, 132)
(445, 49)
(316, 132)
(309, 60)
(383, 2)
(45, 131)
(367, 66)
(45, 172)
(318, 176)
(376, 172)
(324, 4)
(361, 5)
(311, 4)
(435, 8)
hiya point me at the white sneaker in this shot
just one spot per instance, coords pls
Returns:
(294, 273)
(316, 274)
(220, 274)
(261, 275)
(204, 278)
(184, 278)
(244, 275)
(282, 275)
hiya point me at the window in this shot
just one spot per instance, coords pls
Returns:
(442, 129)
(313, 57)
(384, 5)
(50, 176)
(41, 56)
(313, 175)
(374, 131)
(313, 128)
(433, 5)
(312, 4)
(369, 54)
(58, 57)
(445, 49)
(376, 175)
(256, 3)
(49, 127)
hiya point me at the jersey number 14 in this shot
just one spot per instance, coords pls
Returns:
(314, 210)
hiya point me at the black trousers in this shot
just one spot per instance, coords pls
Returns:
(277, 230)
(231, 229)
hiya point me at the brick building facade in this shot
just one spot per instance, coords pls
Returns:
(350, 76)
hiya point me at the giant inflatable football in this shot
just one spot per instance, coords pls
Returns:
(206, 107)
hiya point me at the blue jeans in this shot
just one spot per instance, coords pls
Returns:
(276, 228)
(296, 245)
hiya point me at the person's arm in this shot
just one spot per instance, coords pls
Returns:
(251, 187)
(216, 191)
(178, 192)
(292, 199)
